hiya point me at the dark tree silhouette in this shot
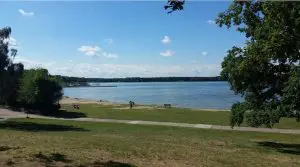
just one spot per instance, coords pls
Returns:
(9, 72)
(173, 5)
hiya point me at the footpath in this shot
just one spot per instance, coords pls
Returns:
(6, 114)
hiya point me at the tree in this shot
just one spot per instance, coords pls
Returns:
(4, 59)
(39, 91)
(173, 5)
(266, 70)
(9, 72)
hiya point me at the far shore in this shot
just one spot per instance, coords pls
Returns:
(73, 100)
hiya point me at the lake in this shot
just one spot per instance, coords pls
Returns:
(207, 95)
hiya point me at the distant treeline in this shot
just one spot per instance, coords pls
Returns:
(81, 81)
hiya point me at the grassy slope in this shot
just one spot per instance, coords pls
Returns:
(63, 143)
(168, 115)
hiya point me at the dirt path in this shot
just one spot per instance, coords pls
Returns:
(8, 113)
(5, 113)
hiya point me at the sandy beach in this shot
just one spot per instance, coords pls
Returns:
(71, 100)
(120, 106)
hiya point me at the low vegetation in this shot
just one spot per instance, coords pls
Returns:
(38, 142)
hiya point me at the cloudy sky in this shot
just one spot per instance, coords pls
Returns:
(119, 39)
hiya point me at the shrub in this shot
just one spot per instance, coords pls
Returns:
(39, 91)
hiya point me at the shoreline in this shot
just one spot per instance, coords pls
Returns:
(71, 100)
(104, 86)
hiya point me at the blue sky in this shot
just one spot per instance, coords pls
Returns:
(119, 39)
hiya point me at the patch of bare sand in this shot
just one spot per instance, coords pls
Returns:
(206, 109)
(140, 108)
(70, 100)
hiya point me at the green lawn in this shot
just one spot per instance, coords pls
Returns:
(38, 142)
(167, 115)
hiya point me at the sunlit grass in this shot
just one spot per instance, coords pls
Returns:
(180, 115)
(86, 143)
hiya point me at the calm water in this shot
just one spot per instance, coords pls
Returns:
(212, 95)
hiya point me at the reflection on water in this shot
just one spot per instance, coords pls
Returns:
(214, 95)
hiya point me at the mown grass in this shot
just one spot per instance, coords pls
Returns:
(69, 143)
(180, 115)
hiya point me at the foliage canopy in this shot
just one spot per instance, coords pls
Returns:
(39, 91)
(32, 89)
(9, 71)
(265, 71)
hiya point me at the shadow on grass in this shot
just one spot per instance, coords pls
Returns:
(108, 164)
(6, 148)
(36, 127)
(281, 147)
(62, 113)
(10, 162)
(51, 159)
(67, 114)
(54, 157)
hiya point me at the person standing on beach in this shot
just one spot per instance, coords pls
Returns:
(131, 103)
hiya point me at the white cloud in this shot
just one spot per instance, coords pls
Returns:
(89, 50)
(210, 21)
(122, 70)
(166, 40)
(167, 53)
(11, 41)
(96, 51)
(109, 55)
(207, 70)
(109, 40)
(23, 13)
(32, 63)
(204, 53)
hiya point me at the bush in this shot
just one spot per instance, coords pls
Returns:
(39, 91)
